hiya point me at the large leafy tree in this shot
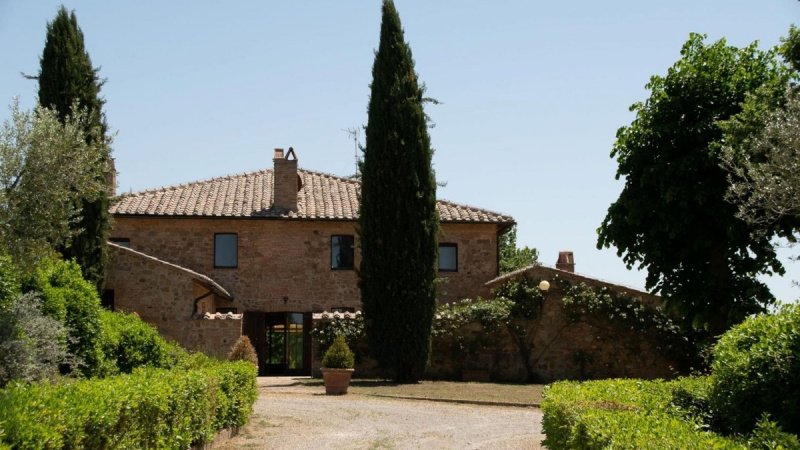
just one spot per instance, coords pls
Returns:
(671, 216)
(762, 152)
(67, 77)
(46, 166)
(398, 223)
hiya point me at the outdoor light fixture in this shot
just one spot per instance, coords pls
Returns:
(544, 286)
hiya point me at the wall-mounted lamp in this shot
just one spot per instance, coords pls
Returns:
(285, 300)
(544, 286)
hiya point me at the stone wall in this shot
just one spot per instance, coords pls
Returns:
(164, 295)
(558, 350)
(284, 265)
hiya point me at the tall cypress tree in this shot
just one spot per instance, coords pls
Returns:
(66, 77)
(398, 223)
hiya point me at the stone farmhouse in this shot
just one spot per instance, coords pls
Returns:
(261, 252)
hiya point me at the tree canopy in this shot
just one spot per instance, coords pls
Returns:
(67, 77)
(671, 216)
(398, 224)
(45, 168)
(513, 257)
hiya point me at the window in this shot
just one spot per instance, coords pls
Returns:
(342, 252)
(122, 242)
(448, 258)
(225, 251)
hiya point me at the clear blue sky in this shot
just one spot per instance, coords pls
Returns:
(532, 92)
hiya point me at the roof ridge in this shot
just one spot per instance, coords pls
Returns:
(172, 187)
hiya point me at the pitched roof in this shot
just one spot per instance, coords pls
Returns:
(250, 194)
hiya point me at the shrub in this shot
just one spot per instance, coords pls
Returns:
(626, 414)
(338, 355)
(68, 298)
(32, 345)
(756, 370)
(9, 283)
(150, 408)
(243, 350)
(327, 330)
(128, 342)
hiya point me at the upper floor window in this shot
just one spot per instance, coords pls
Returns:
(342, 252)
(448, 257)
(121, 241)
(225, 250)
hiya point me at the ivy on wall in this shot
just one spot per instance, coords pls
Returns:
(515, 310)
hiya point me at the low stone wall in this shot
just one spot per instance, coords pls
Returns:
(213, 336)
(556, 350)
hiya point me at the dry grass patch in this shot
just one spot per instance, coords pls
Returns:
(520, 394)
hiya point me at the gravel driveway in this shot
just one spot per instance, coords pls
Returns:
(303, 417)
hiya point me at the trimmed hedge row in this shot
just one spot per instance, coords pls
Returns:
(625, 414)
(150, 408)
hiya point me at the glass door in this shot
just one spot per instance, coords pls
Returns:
(287, 344)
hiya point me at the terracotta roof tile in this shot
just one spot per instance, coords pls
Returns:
(322, 196)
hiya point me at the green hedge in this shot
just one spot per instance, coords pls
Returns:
(150, 408)
(624, 414)
(757, 370)
(128, 342)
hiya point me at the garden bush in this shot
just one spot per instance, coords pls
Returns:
(70, 299)
(149, 408)
(338, 355)
(625, 414)
(128, 342)
(243, 350)
(756, 370)
(32, 345)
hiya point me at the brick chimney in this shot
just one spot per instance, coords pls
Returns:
(286, 183)
(566, 261)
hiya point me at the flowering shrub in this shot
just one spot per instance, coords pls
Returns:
(325, 332)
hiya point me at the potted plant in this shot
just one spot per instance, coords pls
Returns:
(337, 367)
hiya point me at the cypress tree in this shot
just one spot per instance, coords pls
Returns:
(398, 224)
(66, 77)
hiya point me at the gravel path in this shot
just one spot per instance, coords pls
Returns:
(297, 417)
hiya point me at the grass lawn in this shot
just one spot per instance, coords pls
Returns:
(522, 394)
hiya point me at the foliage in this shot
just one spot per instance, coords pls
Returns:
(757, 370)
(9, 282)
(326, 331)
(67, 78)
(150, 408)
(243, 350)
(338, 355)
(790, 48)
(490, 314)
(45, 168)
(671, 217)
(70, 299)
(32, 345)
(398, 224)
(128, 342)
(513, 257)
(765, 169)
(623, 413)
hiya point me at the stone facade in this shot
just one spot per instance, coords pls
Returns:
(284, 265)
(173, 299)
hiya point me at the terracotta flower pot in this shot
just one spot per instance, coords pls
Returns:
(336, 380)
